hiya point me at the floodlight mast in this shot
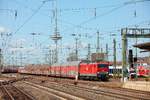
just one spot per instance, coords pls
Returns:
(56, 36)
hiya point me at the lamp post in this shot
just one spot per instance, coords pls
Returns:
(76, 45)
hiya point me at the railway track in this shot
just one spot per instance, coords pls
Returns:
(60, 95)
(119, 93)
(133, 91)
(115, 93)
(11, 92)
(82, 90)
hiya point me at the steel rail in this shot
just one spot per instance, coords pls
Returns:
(131, 90)
(109, 93)
(6, 91)
(103, 92)
(97, 92)
(54, 91)
(10, 96)
(30, 97)
(86, 90)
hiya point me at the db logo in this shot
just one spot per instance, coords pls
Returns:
(87, 68)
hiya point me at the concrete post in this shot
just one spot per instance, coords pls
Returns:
(114, 54)
(124, 56)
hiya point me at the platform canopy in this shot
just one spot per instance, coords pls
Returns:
(145, 46)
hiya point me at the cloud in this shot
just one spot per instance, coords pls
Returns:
(3, 29)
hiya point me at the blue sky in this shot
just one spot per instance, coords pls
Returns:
(82, 17)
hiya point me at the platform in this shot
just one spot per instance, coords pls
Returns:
(138, 85)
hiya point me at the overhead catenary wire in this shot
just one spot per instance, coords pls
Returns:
(93, 18)
(87, 22)
(71, 9)
(108, 12)
(29, 18)
(125, 3)
(83, 9)
(111, 31)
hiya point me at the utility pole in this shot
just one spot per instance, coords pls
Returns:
(76, 45)
(101, 50)
(76, 39)
(16, 61)
(1, 65)
(50, 57)
(114, 54)
(98, 47)
(35, 44)
(89, 52)
(21, 58)
(107, 52)
(12, 57)
(53, 58)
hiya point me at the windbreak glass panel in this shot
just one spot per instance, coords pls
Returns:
(102, 65)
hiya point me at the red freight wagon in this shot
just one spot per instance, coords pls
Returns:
(69, 69)
(72, 69)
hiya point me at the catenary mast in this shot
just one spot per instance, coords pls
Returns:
(56, 36)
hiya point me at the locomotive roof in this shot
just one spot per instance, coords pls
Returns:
(76, 63)
(72, 63)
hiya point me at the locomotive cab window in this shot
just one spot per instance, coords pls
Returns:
(102, 65)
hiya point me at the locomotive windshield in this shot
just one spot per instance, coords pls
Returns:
(102, 65)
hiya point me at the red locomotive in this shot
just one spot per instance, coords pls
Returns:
(73, 69)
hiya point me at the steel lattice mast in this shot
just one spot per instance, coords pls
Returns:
(56, 36)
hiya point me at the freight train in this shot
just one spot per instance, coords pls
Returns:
(9, 69)
(74, 69)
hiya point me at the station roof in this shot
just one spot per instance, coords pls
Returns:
(145, 46)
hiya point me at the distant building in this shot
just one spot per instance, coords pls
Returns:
(143, 60)
(72, 57)
(98, 57)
